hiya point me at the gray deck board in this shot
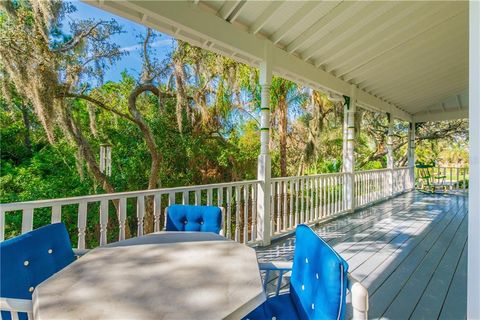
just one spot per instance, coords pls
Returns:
(431, 301)
(409, 251)
(456, 303)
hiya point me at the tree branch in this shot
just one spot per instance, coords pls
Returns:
(75, 41)
(99, 104)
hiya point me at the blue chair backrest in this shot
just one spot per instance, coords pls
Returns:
(30, 258)
(194, 218)
(318, 285)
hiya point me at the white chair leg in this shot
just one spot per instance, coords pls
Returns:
(359, 299)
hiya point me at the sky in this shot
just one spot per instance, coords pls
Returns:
(128, 40)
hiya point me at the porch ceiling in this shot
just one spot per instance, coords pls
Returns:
(407, 58)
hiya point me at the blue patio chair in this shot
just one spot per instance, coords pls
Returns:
(194, 218)
(26, 261)
(318, 284)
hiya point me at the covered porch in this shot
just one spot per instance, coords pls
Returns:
(408, 248)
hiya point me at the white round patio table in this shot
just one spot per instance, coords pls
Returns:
(164, 275)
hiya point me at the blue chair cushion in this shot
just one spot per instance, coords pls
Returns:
(318, 285)
(30, 258)
(194, 218)
(280, 307)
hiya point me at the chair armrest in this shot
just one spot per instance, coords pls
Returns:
(281, 266)
(80, 252)
(16, 306)
(276, 265)
(359, 298)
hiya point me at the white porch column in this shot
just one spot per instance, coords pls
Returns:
(411, 153)
(473, 273)
(349, 141)
(264, 160)
(390, 164)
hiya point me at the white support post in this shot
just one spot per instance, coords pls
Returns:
(264, 160)
(411, 154)
(473, 273)
(349, 142)
(390, 154)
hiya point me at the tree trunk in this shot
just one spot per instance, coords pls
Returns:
(72, 130)
(152, 147)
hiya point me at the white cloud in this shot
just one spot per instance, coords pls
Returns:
(155, 44)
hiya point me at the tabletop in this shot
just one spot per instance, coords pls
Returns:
(165, 275)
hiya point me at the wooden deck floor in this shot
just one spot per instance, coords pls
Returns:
(410, 252)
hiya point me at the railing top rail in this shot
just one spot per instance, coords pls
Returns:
(321, 175)
(447, 167)
(372, 171)
(114, 196)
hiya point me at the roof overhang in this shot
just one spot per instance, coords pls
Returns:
(404, 57)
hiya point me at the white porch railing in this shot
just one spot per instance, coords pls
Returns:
(403, 180)
(370, 186)
(374, 185)
(293, 200)
(305, 199)
(238, 199)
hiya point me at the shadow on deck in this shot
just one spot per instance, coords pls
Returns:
(409, 251)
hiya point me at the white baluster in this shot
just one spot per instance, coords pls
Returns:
(369, 187)
(140, 214)
(220, 204)
(229, 213)
(337, 196)
(171, 198)
(290, 211)
(297, 212)
(324, 197)
(103, 221)
(237, 213)
(245, 213)
(122, 214)
(302, 199)
(82, 224)
(329, 190)
(254, 211)
(317, 199)
(279, 206)
(185, 197)
(312, 207)
(334, 196)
